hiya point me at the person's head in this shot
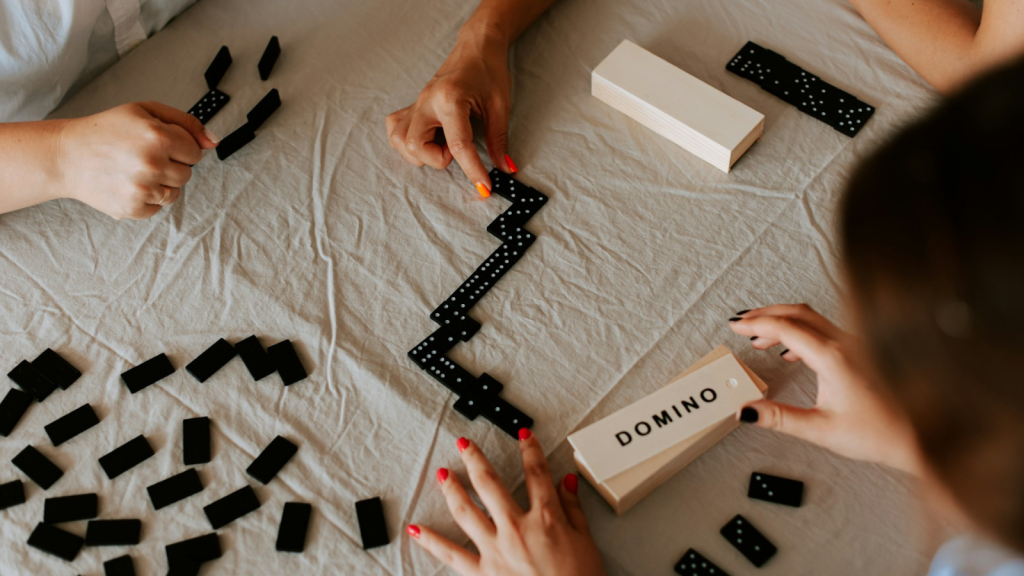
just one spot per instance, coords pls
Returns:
(933, 245)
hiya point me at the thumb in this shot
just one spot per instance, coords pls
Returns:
(496, 135)
(798, 422)
(190, 123)
(571, 503)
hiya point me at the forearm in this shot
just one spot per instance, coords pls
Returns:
(29, 163)
(947, 42)
(503, 21)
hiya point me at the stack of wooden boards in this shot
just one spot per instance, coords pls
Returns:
(628, 454)
(701, 119)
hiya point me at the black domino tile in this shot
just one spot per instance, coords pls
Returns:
(149, 372)
(71, 424)
(120, 566)
(175, 488)
(263, 109)
(776, 489)
(179, 566)
(372, 526)
(289, 367)
(209, 105)
(477, 396)
(195, 435)
(269, 58)
(11, 494)
(212, 359)
(291, 536)
(514, 191)
(125, 457)
(255, 358)
(694, 564)
(53, 540)
(450, 375)
(807, 92)
(232, 507)
(272, 460)
(215, 72)
(194, 551)
(748, 540)
(124, 532)
(37, 467)
(31, 380)
(505, 416)
(56, 369)
(12, 408)
(235, 141)
(434, 346)
(71, 508)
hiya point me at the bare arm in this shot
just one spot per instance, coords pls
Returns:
(29, 171)
(473, 82)
(948, 42)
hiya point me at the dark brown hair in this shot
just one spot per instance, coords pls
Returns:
(933, 243)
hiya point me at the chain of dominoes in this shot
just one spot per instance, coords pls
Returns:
(479, 396)
(808, 93)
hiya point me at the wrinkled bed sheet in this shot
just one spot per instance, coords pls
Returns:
(319, 233)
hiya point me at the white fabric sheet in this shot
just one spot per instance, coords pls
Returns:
(318, 232)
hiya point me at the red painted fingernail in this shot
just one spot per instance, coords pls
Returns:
(442, 475)
(511, 164)
(413, 530)
(483, 189)
(462, 444)
(572, 483)
(524, 434)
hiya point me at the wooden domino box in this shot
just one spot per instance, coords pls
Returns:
(701, 119)
(610, 455)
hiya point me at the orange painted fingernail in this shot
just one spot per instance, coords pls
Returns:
(483, 189)
(524, 434)
(442, 475)
(511, 164)
(462, 444)
(413, 530)
(572, 483)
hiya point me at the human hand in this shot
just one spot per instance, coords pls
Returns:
(551, 538)
(852, 416)
(132, 160)
(473, 82)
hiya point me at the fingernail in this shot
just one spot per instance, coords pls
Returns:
(748, 415)
(737, 319)
(784, 352)
(571, 483)
(752, 338)
(524, 434)
(742, 312)
(212, 137)
(511, 164)
(442, 475)
(483, 189)
(462, 444)
(413, 530)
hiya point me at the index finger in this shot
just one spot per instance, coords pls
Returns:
(489, 487)
(458, 134)
(806, 342)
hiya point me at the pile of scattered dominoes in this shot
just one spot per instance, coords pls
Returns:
(214, 100)
(40, 377)
(479, 396)
(741, 533)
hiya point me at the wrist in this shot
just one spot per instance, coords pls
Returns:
(484, 35)
(61, 150)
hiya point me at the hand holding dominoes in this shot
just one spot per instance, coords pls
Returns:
(850, 417)
(132, 160)
(550, 538)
